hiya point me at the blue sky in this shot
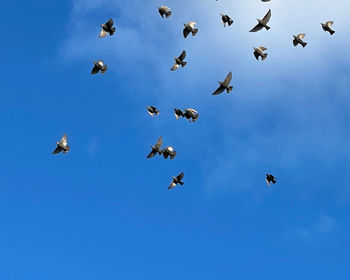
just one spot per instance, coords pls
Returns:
(103, 210)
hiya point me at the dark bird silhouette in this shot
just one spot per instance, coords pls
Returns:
(152, 110)
(62, 146)
(298, 40)
(270, 179)
(164, 10)
(265, 0)
(178, 113)
(156, 148)
(107, 28)
(327, 27)
(226, 19)
(224, 85)
(189, 114)
(169, 152)
(179, 61)
(99, 66)
(176, 180)
(262, 22)
(260, 52)
(189, 28)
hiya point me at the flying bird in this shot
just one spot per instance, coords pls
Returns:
(189, 28)
(176, 180)
(62, 146)
(226, 19)
(260, 52)
(270, 179)
(164, 10)
(169, 151)
(152, 110)
(327, 27)
(156, 148)
(179, 61)
(99, 66)
(224, 85)
(107, 28)
(262, 23)
(298, 40)
(178, 113)
(191, 114)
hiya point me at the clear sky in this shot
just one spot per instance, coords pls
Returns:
(103, 210)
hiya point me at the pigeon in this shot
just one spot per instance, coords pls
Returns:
(178, 113)
(189, 28)
(260, 52)
(226, 19)
(298, 40)
(179, 61)
(164, 10)
(224, 85)
(262, 23)
(107, 28)
(176, 180)
(169, 151)
(152, 110)
(156, 148)
(327, 27)
(62, 146)
(270, 179)
(191, 114)
(99, 66)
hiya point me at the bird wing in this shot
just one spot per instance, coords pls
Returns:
(295, 42)
(267, 17)
(152, 154)
(329, 23)
(161, 12)
(219, 90)
(175, 66)
(159, 142)
(64, 140)
(267, 181)
(109, 23)
(186, 32)
(57, 150)
(100, 62)
(95, 70)
(256, 54)
(301, 35)
(228, 78)
(180, 176)
(182, 55)
(104, 69)
(191, 24)
(262, 48)
(103, 33)
(171, 186)
(256, 28)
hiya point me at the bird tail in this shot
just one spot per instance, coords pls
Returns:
(230, 88)
(181, 183)
(168, 14)
(273, 181)
(264, 56)
(332, 32)
(183, 64)
(304, 44)
(112, 31)
(267, 27)
(230, 22)
(194, 32)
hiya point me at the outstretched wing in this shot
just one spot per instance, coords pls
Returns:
(263, 48)
(301, 35)
(256, 28)
(256, 54)
(109, 23)
(267, 17)
(228, 78)
(175, 66)
(152, 154)
(219, 90)
(159, 142)
(329, 23)
(182, 55)
(64, 140)
(57, 150)
(180, 176)
(103, 33)
(186, 32)
(95, 70)
(171, 186)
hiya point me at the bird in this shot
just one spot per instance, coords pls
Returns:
(164, 10)
(224, 85)
(270, 179)
(152, 110)
(298, 40)
(189, 28)
(169, 151)
(259, 51)
(265, 0)
(62, 146)
(327, 27)
(107, 28)
(179, 61)
(178, 113)
(99, 66)
(262, 23)
(191, 114)
(176, 180)
(226, 19)
(156, 148)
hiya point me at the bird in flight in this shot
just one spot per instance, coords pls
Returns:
(259, 52)
(99, 66)
(62, 146)
(327, 27)
(156, 148)
(189, 28)
(164, 10)
(224, 85)
(152, 110)
(262, 23)
(298, 40)
(107, 28)
(176, 180)
(179, 61)
(226, 19)
(270, 179)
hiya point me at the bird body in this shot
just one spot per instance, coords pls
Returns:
(107, 28)
(262, 23)
(62, 146)
(224, 85)
(298, 40)
(327, 27)
(259, 52)
(189, 28)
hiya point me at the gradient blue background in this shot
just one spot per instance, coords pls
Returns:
(103, 210)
